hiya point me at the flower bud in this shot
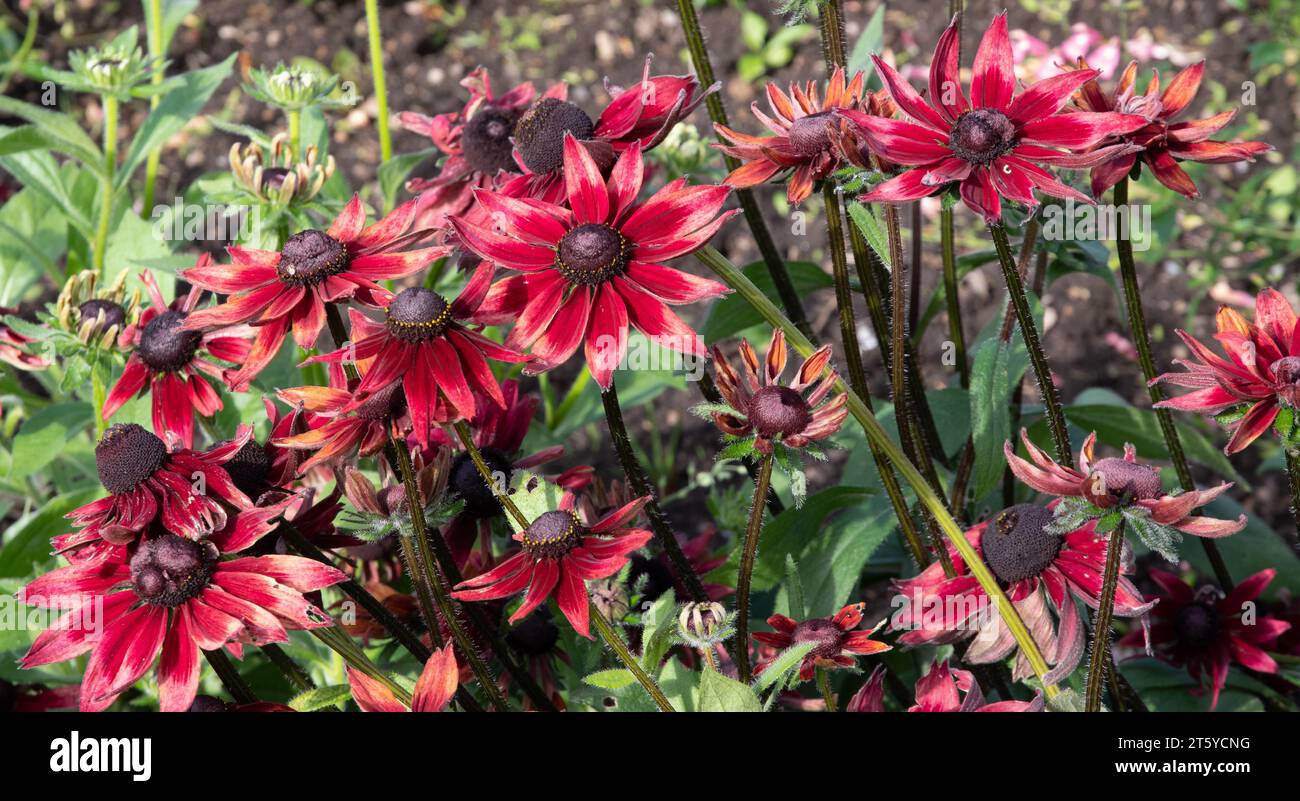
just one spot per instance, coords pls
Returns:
(704, 624)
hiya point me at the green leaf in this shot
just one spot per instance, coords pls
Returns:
(393, 173)
(61, 129)
(867, 223)
(785, 662)
(719, 693)
(615, 679)
(830, 568)
(176, 109)
(796, 607)
(27, 541)
(658, 625)
(321, 697)
(731, 315)
(871, 40)
(996, 369)
(753, 30)
(789, 533)
(42, 437)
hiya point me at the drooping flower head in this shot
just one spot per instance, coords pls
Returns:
(836, 643)
(289, 289)
(1112, 487)
(1161, 143)
(559, 554)
(337, 425)
(1207, 630)
(172, 596)
(433, 690)
(187, 492)
(1259, 379)
(941, 689)
(169, 361)
(592, 270)
(14, 347)
(808, 138)
(637, 117)
(764, 409)
(424, 347)
(992, 142)
(1041, 571)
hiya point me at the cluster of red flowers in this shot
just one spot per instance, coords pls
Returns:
(548, 208)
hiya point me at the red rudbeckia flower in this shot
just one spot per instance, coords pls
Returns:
(942, 689)
(185, 491)
(171, 596)
(167, 361)
(637, 117)
(433, 690)
(593, 271)
(993, 142)
(837, 644)
(808, 137)
(1113, 482)
(1261, 374)
(478, 143)
(425, 345)
(1204, 629)
(499, 433)
(769, 411)
(276, 291)
(1043, 574)
(1162, 143)
(338, 424)
(561, 554)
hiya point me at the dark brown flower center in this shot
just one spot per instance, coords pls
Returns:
(535, 635)
(1127, 480)
(486, 140)
(387, 402)
(467, 483)
(1017, 544)
(418, 314)
(126, 456)
(540, 133)
(778, 411)
(311, 256)
(552, 535)
(812, 134)
(249, 467)
(1287, 370)
(168, 570)
(592, 254)
(165, 346)
(1197, 625)
(828, 637)
(981, 135)
(273, 178)
(114, 314)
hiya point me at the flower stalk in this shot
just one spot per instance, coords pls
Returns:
(377, 76)
(955, 330)
(1138, 327)
(824, 687)
(857, 374)
(728, 272)
(1293, 473)
(749, 205)
(155, 41)
(290, 670)
(426, 572)
(230, 678)
(624, 654)
(110, 169)
(1100, 662)
(640, 483)
(1037, 357)
(745, 577)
